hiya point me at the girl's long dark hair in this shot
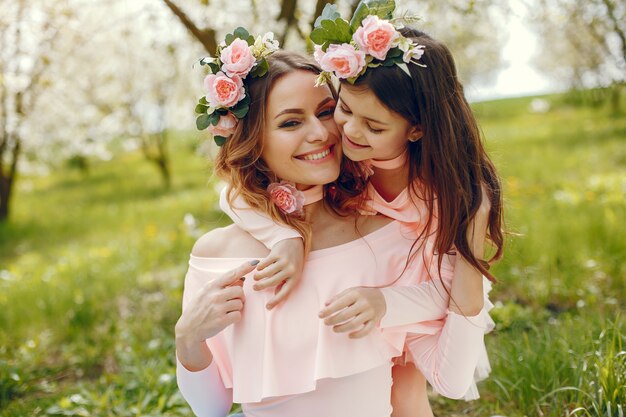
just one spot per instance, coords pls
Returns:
(448, 166)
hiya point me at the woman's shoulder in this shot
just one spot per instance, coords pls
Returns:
(228, 242)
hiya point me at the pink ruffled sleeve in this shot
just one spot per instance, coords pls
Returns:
(260, 226)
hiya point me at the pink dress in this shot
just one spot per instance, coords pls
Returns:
(287, 362)
(409, 300)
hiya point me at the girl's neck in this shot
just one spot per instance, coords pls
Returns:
(389, 183)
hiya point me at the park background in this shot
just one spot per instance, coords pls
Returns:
(105, 185)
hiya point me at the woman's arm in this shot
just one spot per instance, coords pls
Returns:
(207, 310)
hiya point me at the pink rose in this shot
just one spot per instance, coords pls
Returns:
(223, 91)
(237, 59)
(375, 37)
(287, 197)
(225, 127)
(343, 60)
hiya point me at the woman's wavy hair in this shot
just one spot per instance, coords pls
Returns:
(239, 160)
(449, 164)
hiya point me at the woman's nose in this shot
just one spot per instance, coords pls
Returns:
(318, 131)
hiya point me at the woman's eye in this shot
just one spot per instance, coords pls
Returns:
(328, 112)
(289, 123)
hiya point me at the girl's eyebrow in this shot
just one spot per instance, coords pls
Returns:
(366, 118)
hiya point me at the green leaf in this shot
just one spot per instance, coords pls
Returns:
(381, 8)
(203, 101)
(201, 108)
(214, 118)
(215, 68)
(361, 12)
(202, 122)
(240, 112)
(329, 13)
(219, 140)
(394, 52)
(261, 68)
(337, 31)
(241, 33)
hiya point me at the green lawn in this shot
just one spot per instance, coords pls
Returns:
(91, 271)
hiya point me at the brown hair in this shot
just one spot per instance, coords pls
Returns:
(449, 164)
(239, 160)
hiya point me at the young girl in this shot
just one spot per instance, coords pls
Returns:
(408, 121)
(288, 362)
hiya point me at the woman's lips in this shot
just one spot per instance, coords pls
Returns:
(319, 156)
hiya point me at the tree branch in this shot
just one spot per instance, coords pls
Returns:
(205, 36)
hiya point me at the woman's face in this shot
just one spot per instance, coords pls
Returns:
(301, 142)
(369, 130)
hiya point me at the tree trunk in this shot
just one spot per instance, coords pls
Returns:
(7, 179)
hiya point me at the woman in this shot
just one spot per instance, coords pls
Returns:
(251, 353)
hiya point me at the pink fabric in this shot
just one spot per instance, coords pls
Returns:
(415, 304)
(266, 345)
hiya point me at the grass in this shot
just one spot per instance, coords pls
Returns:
(91, 270)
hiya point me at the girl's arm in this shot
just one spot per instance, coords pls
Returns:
(282, 268)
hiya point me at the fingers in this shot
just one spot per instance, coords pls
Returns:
(275, 268)
(233, 305)
(339, 302)
(233, 275)
(266, 262)
(367, 328)
(344, 315)
(282, 292)
(355, 324)
(232, 292)
(271, 282)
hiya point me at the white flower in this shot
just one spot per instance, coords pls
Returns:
(265, 45)
(414, 53)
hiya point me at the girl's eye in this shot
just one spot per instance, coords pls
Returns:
(371, 129)
(289, 123)
(346, 111)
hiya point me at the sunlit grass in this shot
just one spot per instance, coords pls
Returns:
(91, 271)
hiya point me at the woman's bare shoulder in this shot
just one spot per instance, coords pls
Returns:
(228, 242)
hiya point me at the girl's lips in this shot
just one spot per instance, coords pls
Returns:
(351, 144)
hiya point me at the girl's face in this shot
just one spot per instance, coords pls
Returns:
(369, 130)
(301, 142)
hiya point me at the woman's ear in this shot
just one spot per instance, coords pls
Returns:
(415, 133)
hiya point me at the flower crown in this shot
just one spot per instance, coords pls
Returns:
(369, 40)
(226, 101)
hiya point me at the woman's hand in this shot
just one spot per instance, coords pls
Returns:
(214, 307)
(357, 310)
(281, 269)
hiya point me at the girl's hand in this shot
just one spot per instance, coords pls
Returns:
(357, 310)
(281, 269)
(214, 307)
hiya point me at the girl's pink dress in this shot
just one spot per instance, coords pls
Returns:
(286, 362)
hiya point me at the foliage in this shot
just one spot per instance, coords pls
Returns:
(91, 271)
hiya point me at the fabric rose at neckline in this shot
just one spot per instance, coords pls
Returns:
(287, 197)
